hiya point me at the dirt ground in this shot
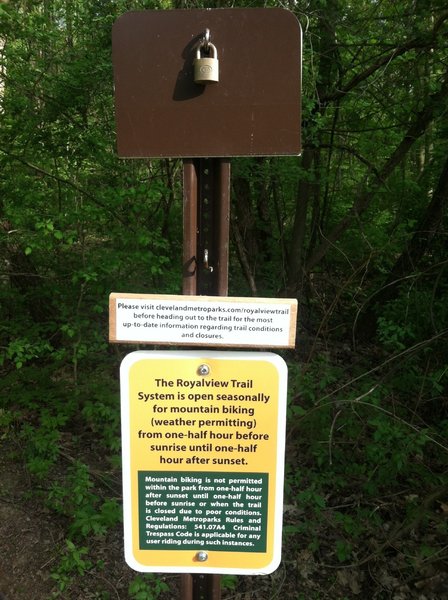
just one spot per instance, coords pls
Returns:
(32, 542)
(28, 537)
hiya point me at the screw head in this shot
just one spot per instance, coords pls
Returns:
(203, 370)
(202, 556)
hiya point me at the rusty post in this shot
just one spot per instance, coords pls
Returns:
(206, 226)
(205, 271)
(190, 227)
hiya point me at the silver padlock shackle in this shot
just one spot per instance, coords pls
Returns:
(211, 48)
(206, 38)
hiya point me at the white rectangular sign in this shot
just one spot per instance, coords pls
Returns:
(202, 320)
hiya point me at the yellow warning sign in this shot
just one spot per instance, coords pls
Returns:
(203, 455)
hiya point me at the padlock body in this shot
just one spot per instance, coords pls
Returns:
(206, 70)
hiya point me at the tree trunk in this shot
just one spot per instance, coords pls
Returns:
(407, 263)
(362, 203)
(309, 185)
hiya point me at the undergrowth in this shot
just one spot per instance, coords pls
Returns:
(366, 475)
(365, 484)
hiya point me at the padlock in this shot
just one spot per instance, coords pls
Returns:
(206, 69)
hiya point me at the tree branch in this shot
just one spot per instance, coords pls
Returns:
(415, 130)
(59, 179)
(419, 42)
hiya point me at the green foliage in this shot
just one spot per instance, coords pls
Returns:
(75, 498)
(21, 351)
(357, 442)
(229, 582)
(147, 587)
(103, 418)
(343, 550)
(74, 561)
(352, 227)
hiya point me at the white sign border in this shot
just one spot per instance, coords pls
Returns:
(126, 364)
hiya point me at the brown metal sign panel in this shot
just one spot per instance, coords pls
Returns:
(254, 109)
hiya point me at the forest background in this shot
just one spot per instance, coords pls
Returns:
(355, 228)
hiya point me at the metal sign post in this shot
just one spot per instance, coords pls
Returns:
(206, 226)
(174, 98)
(200, 587)
(206, 259)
